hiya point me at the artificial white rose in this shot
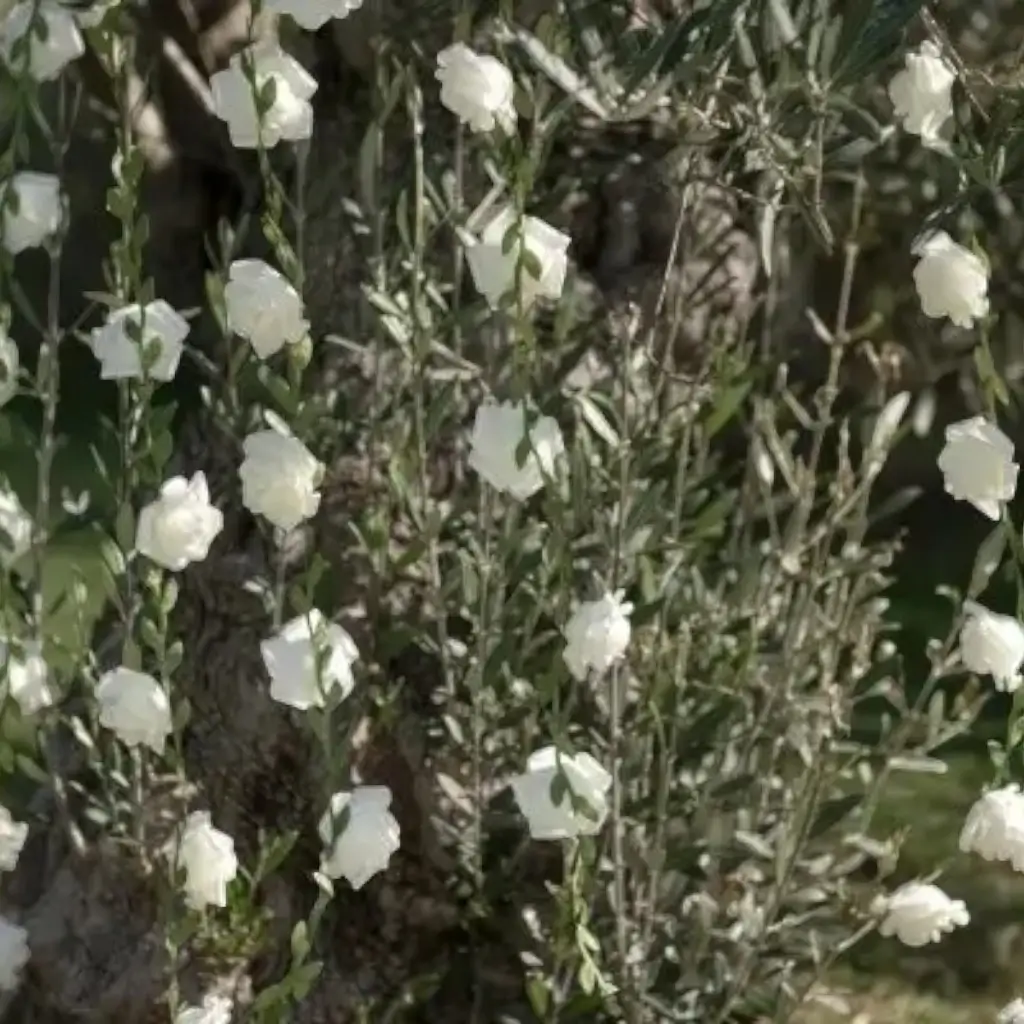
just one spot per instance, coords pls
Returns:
(207, 856)
(15, 528)
(369, 837)
(477, 89)
(9, 364)
(499, 431)
(215, 1010)
(14, 954)
(292, 656)
(50, 51)
(494, 269)
(994, 827)
(922, 93)
(597, 635)
(12, 838)
(548, 769)
(290, 116)
(28, 676)
(992, 644)
(951, 281)
(314, 14)
(179, 527)
(163, 332)
(263, 306)
(1012, 1013)
(135, 707)
(280, 478)
(918, 913)
(977, 465)
(36, 212)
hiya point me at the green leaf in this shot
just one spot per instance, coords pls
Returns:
(727, 406)
(871, 32)
(832, 812)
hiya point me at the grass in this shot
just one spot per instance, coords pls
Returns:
(861, 1000)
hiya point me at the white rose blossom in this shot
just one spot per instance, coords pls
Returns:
(179, 527)
(918, 913)
(597, 635)
(9, 365)
(215, 1010)
(36, 212)
(992, 644)
(12, 838)
(135, 707)
(50, 52)
(290, 116)
(922, 93)
(14, 954)
(477, 89)
(15, 528)
(264, 307)
(208, 859)
(951, 280)
(994, 827)
(495, 270)
(292, 656)
(977, 465)
(280, 478)
(564, 820)
(28, 676)
(1012, 1013)
(499, 430)
(314, 14)
(370, 835)
(120, 355)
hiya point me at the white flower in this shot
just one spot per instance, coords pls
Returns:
(597, 635)
(994, 827)
(36, 213)
(215, 1010)
(951, 281)
(499, 431)
(9, 364)
(291, 658)
(918, 913)
(992, 644)
(280, 478)
(477, 89)
(179, 527)
(290, 115)
(163, 332)
(314, 14)
(27, 677)
(1012, 1013)
(12, 838)
(135, 707)
(263, 306)
(14, 954)
(977, 465)
(922, 93)
(207, 856)
(50, 51)
(580, 773)
(494, 270)
(369, 837)
(15, 528)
